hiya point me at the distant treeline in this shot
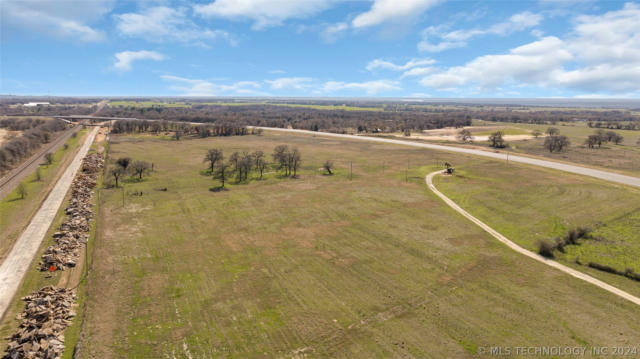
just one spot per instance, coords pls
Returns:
(36, 132)
(180, 128)
(46, 110)
(297, 117)
(614, 119)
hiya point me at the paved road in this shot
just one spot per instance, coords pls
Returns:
(18, 262)
(11, 180)
(604, 175)
(517, 248)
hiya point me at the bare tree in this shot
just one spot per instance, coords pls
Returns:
(280, 156)
(124, 163)
(465, 135)
(496, 140)
(552, 131)
(259, 162)
(140, 168)
(617, 139)
(328, 165)
(592, 141)
(234, 159)
(117, 172)
(213, 156)
(556, 143)
(48, 158)
(295, 161)
(407, 132)
(536, 133)
(244, 165)
(38, 174)
(222, 172)
(22, 190)
(177, 135)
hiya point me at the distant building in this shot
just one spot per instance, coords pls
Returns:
(34, 104)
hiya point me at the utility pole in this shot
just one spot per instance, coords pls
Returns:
(406, 173)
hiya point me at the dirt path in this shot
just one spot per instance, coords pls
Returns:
(517, 248)
(19, 260)
(604, 175)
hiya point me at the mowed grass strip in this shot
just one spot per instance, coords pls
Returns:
(318, 266)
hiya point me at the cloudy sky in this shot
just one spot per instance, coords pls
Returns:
(390, 48)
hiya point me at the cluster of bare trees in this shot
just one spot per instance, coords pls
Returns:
(181, 129)
(241, 164)
(616, 125)
(36, 133)
(600, 137)
(126, 166)
(555, 142)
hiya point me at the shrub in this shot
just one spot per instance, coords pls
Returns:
(546, 248)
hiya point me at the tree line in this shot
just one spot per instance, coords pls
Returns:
(182, 129)
(326, 120)
(35, 133)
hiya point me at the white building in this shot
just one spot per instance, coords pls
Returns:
(34, 104)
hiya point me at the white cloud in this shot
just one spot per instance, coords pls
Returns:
(55, 18)
(417, 71)
(382, 64)
(369, 87)
(391, 10)
(162, 23)
(297, 83)
(459, 38)
(277, 72)
(333, 31)
(265, 13)
(531, 63)
(197, 87)
(126, 58)
(602, 54)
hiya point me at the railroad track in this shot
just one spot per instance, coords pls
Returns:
(8, 180)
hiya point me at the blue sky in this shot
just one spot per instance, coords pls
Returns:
(379, 48)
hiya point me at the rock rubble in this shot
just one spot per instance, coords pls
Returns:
(74, 231)
(47, 314)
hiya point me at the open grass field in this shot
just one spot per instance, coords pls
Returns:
(318, 266)
(528, 206)
(15, 213)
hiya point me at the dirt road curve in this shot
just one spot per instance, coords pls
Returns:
(19, 260)
(13, 178)
(517, 248)
(607, 176)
